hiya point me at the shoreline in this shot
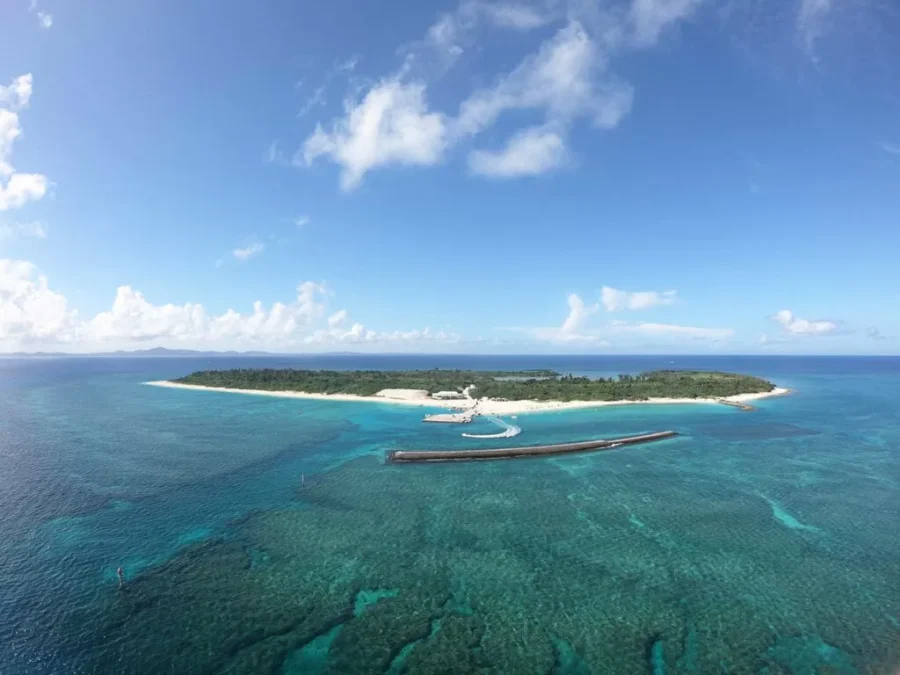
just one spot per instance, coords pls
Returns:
(485, 407)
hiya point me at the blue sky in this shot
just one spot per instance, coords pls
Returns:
(597, 176)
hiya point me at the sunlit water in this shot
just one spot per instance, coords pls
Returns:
(261, 535)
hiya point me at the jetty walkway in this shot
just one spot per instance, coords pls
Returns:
(400, 456)
(462, 417)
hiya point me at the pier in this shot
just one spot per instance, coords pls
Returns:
(401, 456)
(463, 417)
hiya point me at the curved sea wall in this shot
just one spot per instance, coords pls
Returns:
(529, 451)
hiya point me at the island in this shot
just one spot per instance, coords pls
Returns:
(476, 392)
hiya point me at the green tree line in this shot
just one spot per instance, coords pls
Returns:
(540, 385)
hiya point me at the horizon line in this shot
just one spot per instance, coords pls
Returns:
(254, 353)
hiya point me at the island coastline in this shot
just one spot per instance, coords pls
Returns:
(485, 406)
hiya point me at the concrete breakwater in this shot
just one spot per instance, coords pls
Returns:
(529, 451)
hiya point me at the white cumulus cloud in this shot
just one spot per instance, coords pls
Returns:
(30, 312)
(797, 326)
(133, 318)
(22, 188)
(337, 319)
(560, 79)
(578, 315)
(17, 94)
(9, 132)
(33, 316)
(16, 189)
(390, 125)
(530, 152)
(573, 329)
(615, 300)
(566, 79)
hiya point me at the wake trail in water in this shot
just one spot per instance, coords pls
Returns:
(509, 430)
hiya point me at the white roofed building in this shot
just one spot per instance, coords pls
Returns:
(447, 395)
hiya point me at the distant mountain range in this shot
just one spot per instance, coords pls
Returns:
(162, 351)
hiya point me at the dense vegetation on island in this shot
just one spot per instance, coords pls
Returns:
(539, 385)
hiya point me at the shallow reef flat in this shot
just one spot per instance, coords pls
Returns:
(518, 568)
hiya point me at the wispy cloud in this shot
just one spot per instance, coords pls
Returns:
(273, 154)
(317, 99)
(874, 333)
(347, 64)
(341, 69)
(673, 330)
(302, 221)
(520, 17)
(45, 19)
(248, 252)
(651, 17)
(890, 148)
(33, 229)
(575, 328)
(811, 22)
(615, 300)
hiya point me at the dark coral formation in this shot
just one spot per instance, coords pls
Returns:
(529, 568)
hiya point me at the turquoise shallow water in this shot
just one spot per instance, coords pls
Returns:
(764, 542)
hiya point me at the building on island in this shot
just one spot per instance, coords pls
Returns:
(447, 395)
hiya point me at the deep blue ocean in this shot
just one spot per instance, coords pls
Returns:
(265, 535)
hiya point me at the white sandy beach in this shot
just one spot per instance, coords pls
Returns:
(417, 397)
